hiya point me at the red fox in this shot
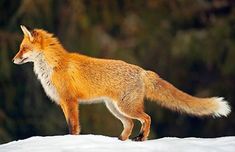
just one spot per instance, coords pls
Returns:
(71, 78)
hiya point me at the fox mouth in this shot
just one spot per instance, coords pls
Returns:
(22, 61)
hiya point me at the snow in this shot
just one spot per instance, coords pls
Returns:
(97, 143)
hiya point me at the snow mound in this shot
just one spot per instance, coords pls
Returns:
(96, 143)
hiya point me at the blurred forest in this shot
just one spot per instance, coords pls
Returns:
(190, 43)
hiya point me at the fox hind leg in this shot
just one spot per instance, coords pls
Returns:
(127, 122)
(145, 129)
(135, 110)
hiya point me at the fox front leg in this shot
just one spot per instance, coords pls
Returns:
(70, 109)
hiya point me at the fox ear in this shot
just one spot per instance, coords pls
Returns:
(26, 32)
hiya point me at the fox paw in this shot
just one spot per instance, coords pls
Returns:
(122, 138)
(140, 137)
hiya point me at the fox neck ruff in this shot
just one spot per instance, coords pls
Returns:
(44, 72)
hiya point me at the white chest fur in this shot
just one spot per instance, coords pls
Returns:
(44, 72)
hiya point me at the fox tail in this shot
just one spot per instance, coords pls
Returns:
(164, 93)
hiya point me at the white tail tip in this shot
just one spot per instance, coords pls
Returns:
(223, 107)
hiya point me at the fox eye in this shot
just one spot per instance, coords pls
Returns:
(24, 49)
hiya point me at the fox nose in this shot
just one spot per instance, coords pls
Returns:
(13, 60)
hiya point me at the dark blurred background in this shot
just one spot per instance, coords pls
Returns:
(190, 43)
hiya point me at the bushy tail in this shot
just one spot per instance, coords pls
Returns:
(167, 95)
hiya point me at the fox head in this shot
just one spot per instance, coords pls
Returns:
(30, 48)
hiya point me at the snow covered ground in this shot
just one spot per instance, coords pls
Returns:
(94, 143)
